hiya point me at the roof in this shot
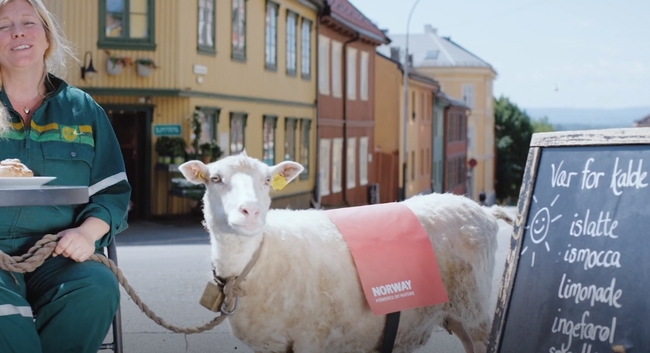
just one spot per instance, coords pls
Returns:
(446, 100)
(413, 73)
(345, 13)
(431, 50)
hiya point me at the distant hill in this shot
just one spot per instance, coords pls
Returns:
(564, 119)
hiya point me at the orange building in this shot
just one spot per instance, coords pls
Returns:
(389, 130)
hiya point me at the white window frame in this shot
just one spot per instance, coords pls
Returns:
(268, 138)
(351, 170)
(238, 33)
(352, 73)
(337, 164)
(292, 42)
(364, 77)
(323, 65)
(363, 160)
(471, 138)
(271, 35)
(324, 175)
(337, 76)
(305, 64)
(469, 95)
(206, 24)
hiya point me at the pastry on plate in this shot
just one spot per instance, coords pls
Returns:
(14, 168)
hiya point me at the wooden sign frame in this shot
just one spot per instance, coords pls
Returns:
(540, 141)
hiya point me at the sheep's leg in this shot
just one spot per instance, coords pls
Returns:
(456, 327)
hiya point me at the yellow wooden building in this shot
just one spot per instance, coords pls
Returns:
(244, 68)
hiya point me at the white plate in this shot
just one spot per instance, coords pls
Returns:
(24, 182)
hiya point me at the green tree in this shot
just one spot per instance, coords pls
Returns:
(542, 125)
(513, 132)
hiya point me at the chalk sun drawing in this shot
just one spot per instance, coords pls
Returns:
(538, 228)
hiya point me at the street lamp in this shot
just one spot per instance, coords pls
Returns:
(406, 101)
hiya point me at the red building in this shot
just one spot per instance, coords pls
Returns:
(455, 145)
(347, 42)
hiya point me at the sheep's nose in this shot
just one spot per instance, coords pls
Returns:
(250, 210)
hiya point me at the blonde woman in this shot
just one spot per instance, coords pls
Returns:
(56, 130)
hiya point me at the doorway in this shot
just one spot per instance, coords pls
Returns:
(131, 125)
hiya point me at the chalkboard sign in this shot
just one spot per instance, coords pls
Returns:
(577, 275)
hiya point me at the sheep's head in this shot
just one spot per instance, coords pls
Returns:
(237, 190)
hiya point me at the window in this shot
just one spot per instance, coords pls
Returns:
(422, 161)
(209, 123)
(305, 143)
(412, 165)
(268, 143)
(336, 68)
(337, 167)
(323, 65)
(470, 138)
(324, 166)
(271, 40)
(461, 171)
(450, 127)
(127, 24)
(413, 106)
(206, 26)
(237, 132)
(306, 49)
(352, 73)
(292, 42)
(351, 171)
(363, 160)
(239, 29)
(468, 95)
(365, 57)
(290, 139)
(422, 106)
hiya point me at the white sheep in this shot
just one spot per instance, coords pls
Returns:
(304, 293)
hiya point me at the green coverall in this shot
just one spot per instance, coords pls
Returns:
(70, 138)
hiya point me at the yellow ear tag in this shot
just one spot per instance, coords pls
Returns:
(279, 182)
(201, 175)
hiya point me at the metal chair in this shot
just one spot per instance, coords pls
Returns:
(116, 345)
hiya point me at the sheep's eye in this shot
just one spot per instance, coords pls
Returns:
(216, 179)
(268, 181)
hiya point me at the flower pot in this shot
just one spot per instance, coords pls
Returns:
(144, 71)
(206, 159)
(179, 160)
(114, 68)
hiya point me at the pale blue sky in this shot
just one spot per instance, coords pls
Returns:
(596, 52)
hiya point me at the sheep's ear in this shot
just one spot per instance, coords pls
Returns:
(195, 172)
(288, 170)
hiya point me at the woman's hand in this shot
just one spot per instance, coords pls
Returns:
(78, 243)
(74, 244)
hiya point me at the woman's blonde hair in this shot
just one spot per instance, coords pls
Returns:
(55, 56)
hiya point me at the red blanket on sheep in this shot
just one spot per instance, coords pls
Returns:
(394, 256)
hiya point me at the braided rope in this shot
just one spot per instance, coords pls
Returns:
(43, 248)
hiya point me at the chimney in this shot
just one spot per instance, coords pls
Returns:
(429, 29)
(394, 53)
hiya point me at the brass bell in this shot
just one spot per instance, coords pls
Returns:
(212, 297)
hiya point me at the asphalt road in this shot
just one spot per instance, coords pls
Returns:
(167, 263)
